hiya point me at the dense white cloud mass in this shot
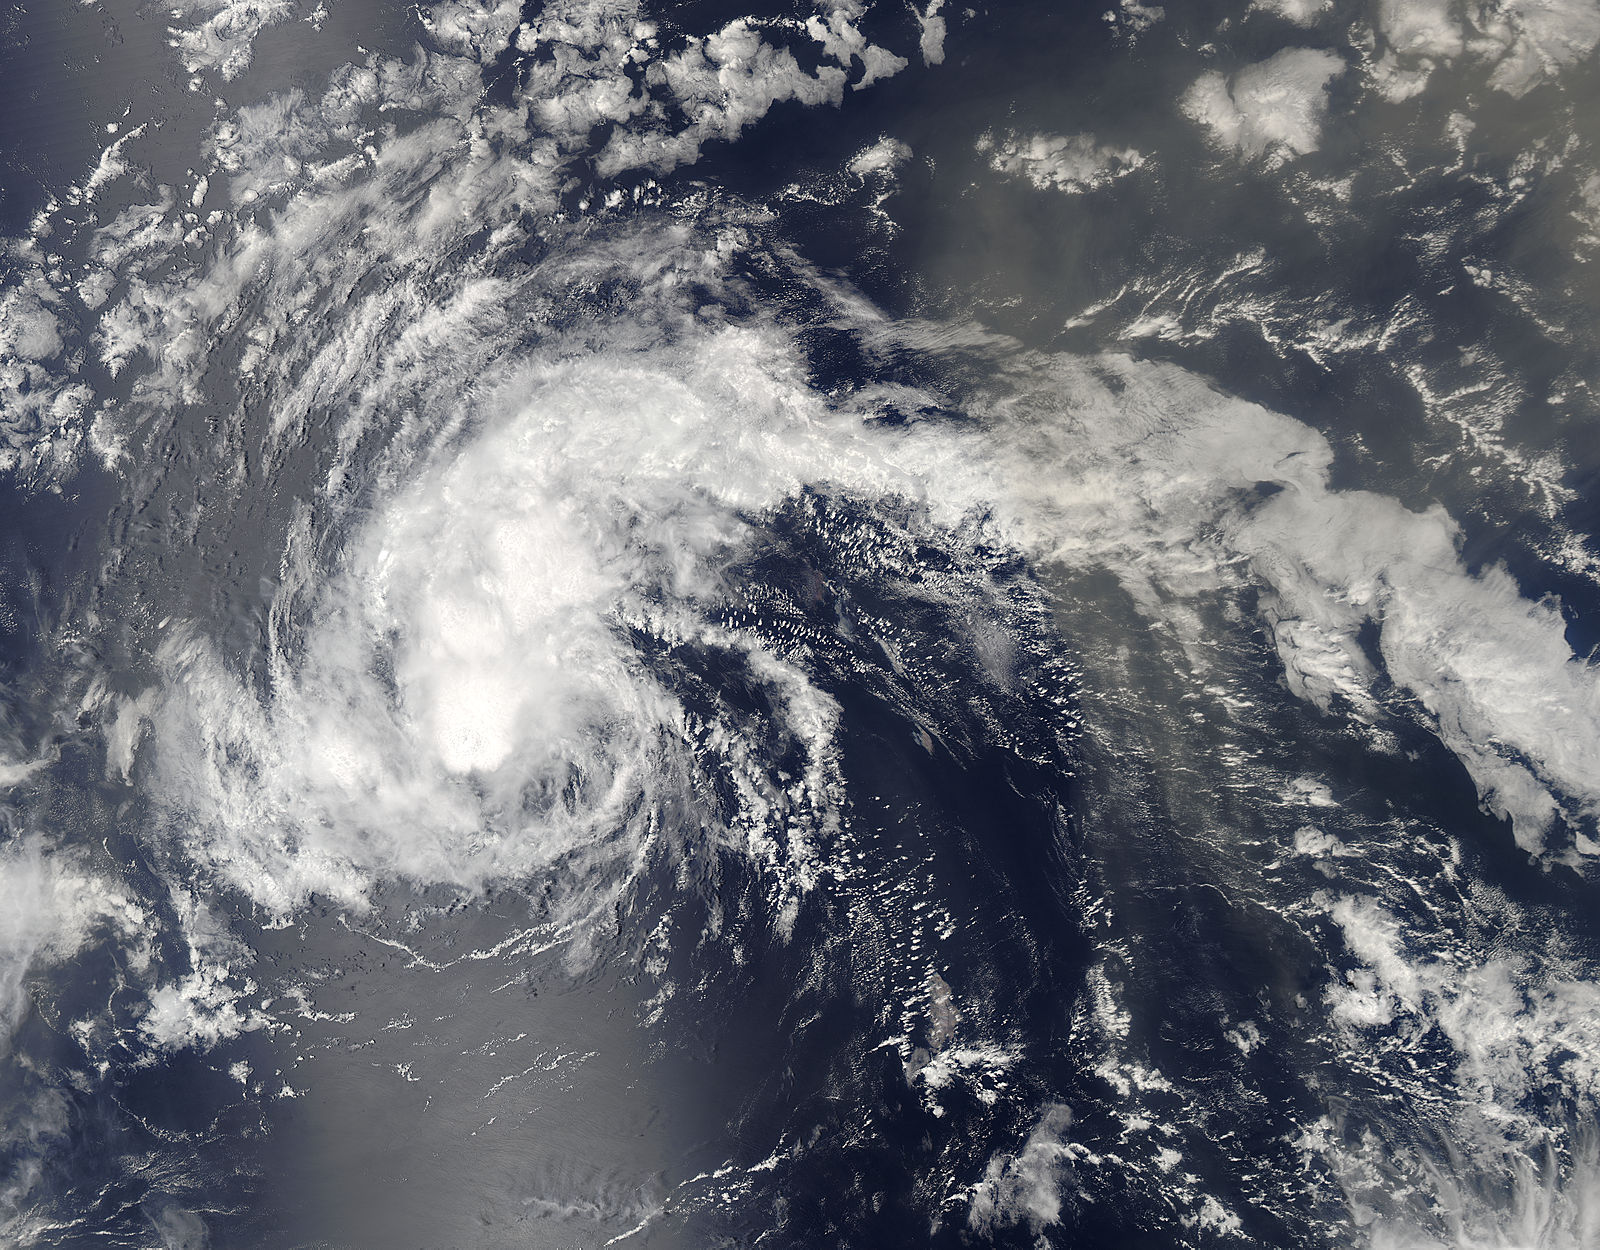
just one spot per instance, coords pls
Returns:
(222, 35)
(1531, 41)
(1154, 478)
(882, 158)
(467, 705)
(934, 29)
(1274, 108)
(1427, 28)
(1516, 722)
(1300, 12)
(1525, 43)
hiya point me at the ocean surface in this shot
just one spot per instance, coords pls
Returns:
(837, 625)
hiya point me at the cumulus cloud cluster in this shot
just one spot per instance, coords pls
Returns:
(55, 906)
(1069, 163)
(1274, 108)
(584, 69)
(1524, 43)
(220, 35)
(42, 405)
(1026, 1188)
(607, 64)
(1300, 12)
(1523, 1034)
(50, 908)
(1163, 487)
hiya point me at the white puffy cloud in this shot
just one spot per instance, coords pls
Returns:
(931, 44)
(222, 35)
(111, 165)
(836, 32)
(1524, 42)
(1132, 18)
(28, 327)
(1493, 669)
(345, 179)
(42, 406)
(1300, 12)
(139, 237)
(205, 1004)
(882, 157)
(1539, 38)
(1274, 108)
(1069, 163)
(54, 906)
(1423, 28)
(726, 81)
(473, 31)
(720, 83)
